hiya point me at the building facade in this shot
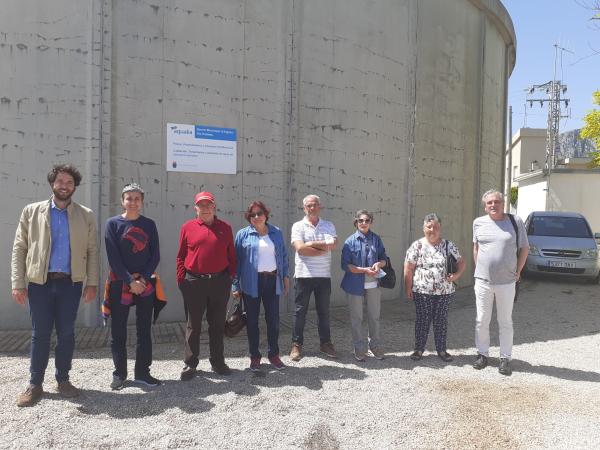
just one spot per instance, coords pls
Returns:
(569, 186)
(396, 106)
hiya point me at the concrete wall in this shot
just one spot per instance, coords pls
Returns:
(576, 191)
(459, 126)
(529, 145)
(569, 187)
(573, 190)
(393, 105)
(49, 112)
(353, 116)
(532, 196)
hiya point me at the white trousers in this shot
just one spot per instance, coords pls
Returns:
(505, 296)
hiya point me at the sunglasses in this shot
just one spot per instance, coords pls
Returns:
(256, 215)
(364, 220)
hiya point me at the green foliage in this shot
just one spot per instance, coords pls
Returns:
(595, 162)
(514, 195)
(591, 130)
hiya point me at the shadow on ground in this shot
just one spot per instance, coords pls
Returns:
(191, 396)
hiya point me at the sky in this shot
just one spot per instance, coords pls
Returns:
(539, 24)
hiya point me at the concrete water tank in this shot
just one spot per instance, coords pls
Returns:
(396, 106)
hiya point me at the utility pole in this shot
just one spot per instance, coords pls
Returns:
(507, 188)
(554, 89)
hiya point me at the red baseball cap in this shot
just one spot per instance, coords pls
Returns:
(204, 196)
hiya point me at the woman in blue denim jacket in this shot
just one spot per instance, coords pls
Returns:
(363, 256)
(262, 274)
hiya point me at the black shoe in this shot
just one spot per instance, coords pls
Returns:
(188, 373)
(481, 362)
(221, 369)
(504, 368)
(147, 380)
(118, 383)
(445, 356)
(416, 355)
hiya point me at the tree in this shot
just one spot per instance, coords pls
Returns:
(591, 130)
(514, 196)
(592, 6)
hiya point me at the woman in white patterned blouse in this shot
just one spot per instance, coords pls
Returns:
(428, 283)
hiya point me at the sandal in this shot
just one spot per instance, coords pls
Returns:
(416, 355)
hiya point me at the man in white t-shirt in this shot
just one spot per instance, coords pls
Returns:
(500, 249)
(313, 239)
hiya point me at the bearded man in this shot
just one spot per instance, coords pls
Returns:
(54, 252)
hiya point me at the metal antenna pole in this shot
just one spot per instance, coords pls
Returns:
(554, 89)
(509, 175)
(552, 126)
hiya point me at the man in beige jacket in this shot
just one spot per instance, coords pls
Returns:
(54, 252)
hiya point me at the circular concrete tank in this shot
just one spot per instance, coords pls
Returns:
(396, 106)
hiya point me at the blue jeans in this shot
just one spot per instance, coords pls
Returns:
(118, 332)
(322, 290)
(51, 305)
(270, 300)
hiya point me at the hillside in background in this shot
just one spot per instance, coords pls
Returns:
(572, 146)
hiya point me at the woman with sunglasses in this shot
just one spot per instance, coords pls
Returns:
(428, 284)
(363, 257)
(262, 275)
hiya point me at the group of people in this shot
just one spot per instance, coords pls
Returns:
(55, 251)
(500, 249)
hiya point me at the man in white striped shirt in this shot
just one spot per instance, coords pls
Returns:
(313, 238)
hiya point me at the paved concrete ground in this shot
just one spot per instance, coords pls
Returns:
(89, 338)
(17, 341)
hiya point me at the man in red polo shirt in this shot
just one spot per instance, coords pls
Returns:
(206, 265)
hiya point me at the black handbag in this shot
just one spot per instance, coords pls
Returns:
(389, 280)
(514, 224)
(451, 262)
(236, 321)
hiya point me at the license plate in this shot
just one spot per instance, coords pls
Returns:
(565, 264)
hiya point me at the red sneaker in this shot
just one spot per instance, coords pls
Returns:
(255, 364)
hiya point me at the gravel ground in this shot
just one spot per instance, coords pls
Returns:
(552, 400)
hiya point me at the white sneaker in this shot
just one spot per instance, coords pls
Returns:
(377, 353)
(359, 356)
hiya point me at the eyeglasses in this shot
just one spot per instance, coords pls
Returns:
(364, 220)
(311, 205)
(256, 215)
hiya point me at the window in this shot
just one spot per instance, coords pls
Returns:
(559, 226)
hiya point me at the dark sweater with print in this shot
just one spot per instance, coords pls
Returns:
(132, 247)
